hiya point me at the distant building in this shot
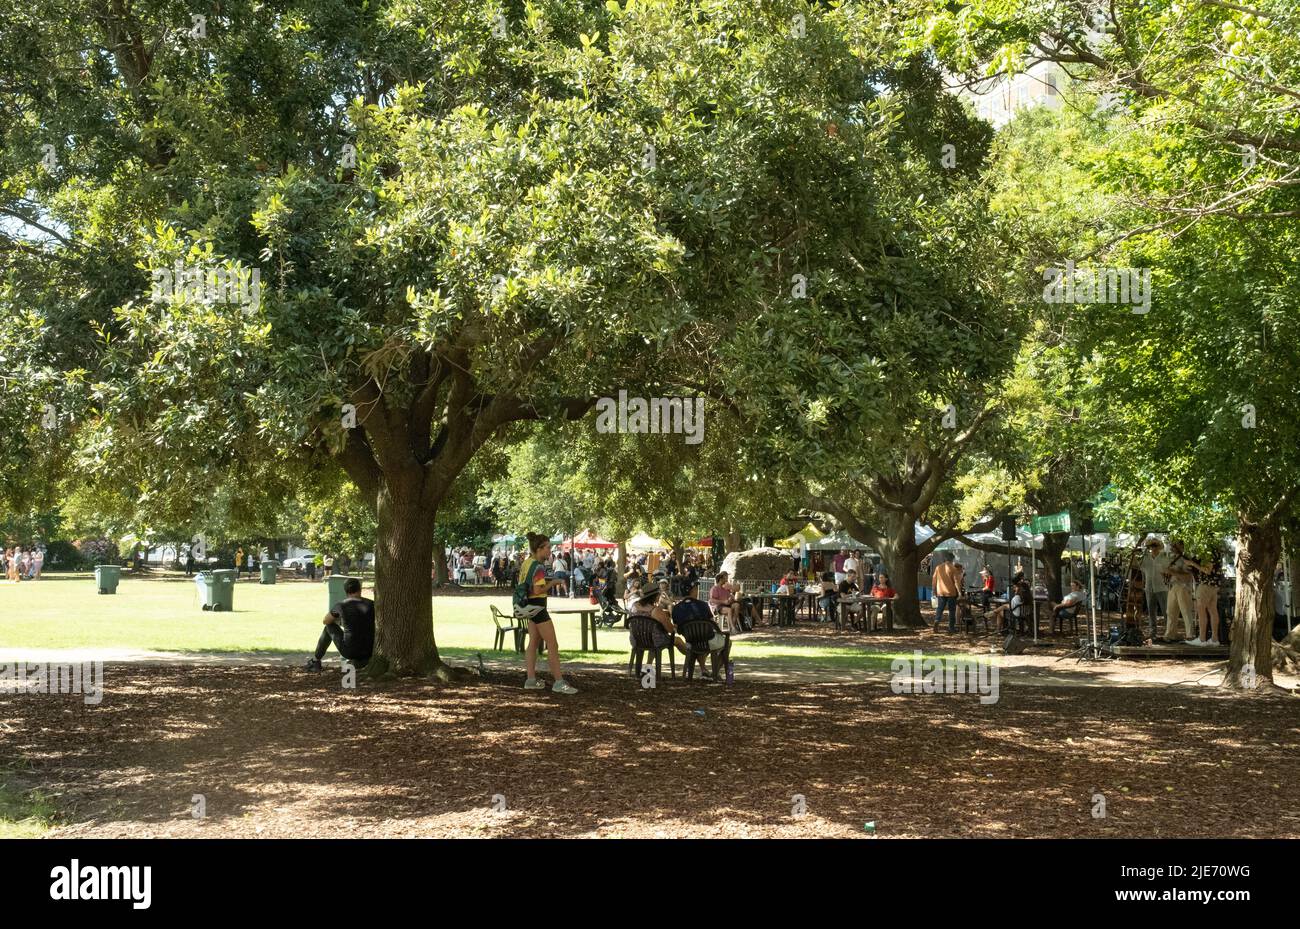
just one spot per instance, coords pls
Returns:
(1000, 98)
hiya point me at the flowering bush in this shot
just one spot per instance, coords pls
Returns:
(97, 551)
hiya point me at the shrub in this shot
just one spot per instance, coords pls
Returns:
(97, 551)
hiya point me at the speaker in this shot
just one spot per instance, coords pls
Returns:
(1085, 526)
(1014, 645)
(1009, 529)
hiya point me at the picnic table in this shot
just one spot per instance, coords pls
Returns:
(871, 608)
(588, 616)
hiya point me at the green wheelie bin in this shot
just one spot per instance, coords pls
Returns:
(106, 578)
(335, 583)
(268, 571)
(217, 589)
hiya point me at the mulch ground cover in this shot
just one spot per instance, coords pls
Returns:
(280, 753)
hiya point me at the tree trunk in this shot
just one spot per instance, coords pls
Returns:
(620, 566)
(1049, 559)
(439, 556)
(677, 552)
(898, 552)
(733, 541)
(1250, 664)
(403, 597)
(1295, 585)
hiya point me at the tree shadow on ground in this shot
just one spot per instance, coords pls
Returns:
(276, 752)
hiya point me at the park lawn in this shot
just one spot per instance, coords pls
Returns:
(163, 614)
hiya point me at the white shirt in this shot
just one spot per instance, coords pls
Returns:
(1073, 597)
(559, 565)
(850, 564)
(1152, 572)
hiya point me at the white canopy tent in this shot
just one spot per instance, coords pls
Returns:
(641, 542)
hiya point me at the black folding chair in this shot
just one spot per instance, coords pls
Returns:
(1058, 621)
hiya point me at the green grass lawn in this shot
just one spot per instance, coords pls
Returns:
(64, 611)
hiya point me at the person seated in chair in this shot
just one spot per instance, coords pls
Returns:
(666, 598)
(828, 597)
(1070, 601)
(723, 601)
(849, 588)
(632, 592)
(1013, 610)
(664, 634)
(350, 625)
(692, 609)
(882, 588)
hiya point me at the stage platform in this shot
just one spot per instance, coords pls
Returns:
(1216, 652)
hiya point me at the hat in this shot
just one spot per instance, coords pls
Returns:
(649, 593)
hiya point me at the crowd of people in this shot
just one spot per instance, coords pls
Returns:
(663, 589)
(1182, 588)
(22, 564)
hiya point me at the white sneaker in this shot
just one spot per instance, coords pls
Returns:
(563, 687)
(533, 683)
(1196, 641)
(1215, 642)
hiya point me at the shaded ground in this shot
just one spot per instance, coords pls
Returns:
(807, 653)
(277, 753)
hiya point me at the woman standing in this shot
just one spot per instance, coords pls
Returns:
(530, 604)
(1209, 579)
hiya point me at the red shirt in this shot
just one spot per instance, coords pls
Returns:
(883, 592)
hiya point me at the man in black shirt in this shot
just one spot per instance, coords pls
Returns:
(849, 588)
(691, 609)
(350, 625)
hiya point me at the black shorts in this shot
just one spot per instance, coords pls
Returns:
(541, 617)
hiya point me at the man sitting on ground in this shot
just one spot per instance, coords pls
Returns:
(350, 625)
(691, 609)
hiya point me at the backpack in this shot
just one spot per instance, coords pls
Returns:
(520, 598)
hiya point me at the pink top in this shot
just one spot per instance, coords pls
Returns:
(720, 594)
